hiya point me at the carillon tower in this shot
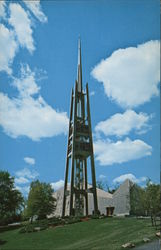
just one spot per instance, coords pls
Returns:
(79, 151)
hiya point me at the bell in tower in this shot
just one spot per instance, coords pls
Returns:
(79, 150)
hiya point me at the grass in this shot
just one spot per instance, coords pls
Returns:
(108, 233)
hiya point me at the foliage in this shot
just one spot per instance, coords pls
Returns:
(40, 200)
(100, 184)
(24, 214)
(72, 220)
(94, 216)
(45, 223)
(11, 200)
(152, 199)
(34, 227)
(10, 227)
(145, 201)
(104, 186)
(137, 200)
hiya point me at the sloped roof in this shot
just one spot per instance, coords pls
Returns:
(126, 184)
(102, 193)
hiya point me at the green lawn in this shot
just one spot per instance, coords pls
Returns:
(108, 233)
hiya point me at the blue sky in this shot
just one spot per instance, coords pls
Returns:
(38, 68)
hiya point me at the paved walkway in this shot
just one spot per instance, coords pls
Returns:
(155, 245)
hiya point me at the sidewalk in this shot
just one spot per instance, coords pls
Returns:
(155, 245)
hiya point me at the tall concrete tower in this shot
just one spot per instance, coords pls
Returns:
(79, 151)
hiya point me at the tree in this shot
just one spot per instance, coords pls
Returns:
(152, 199)
(40, 200)
(100, 184)
(145, 201)
(137, 200)
(11, 200)
(104, 186)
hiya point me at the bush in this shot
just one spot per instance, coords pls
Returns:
(29, 228)
(72, 220)
(94, 216)
(7, 228)
(44, 224)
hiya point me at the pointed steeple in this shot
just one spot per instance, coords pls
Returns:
(79, 70)
(80, 155)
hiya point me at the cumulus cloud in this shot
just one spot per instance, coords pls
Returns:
(8, 48)
(29, 160)
(23, 177)
(20, 35)
(27, 173)
(35, 8)
(57, 185)
(108, 152)
(21, 180)
(2, 9)
(101, 176)
(30, 116)
(130, 177)
(131, 76)
(21, 23)
(26, 84)
(122, 124)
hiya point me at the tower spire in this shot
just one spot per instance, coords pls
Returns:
(79, 151)
(79, 72)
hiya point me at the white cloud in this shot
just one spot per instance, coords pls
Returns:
(108, 152)
(29, 160)
(27, 173)
(20, 35)
(101, 176)
(57, 185)
(23, 177)
(130, 76)
(35, 8)
(130, 177)
(92, 93)
(21, 180)
(26, 85)
(29, 116)
(2, 9)
(122, 124)
(22, 25)
(8, 48)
